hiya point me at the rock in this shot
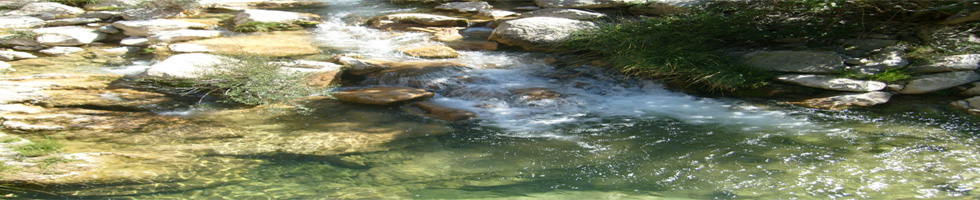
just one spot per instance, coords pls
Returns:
(442, 34)
(972, 90)
(360, 67)
(465, 6)
(255, 15)
(67, 36)
(5, 67)
(145, 28)
(538, 33)
(832, 83)
(884, 59)
(535, 94)
(183, 35)
(795, 61)
(586, 3)
(188, 48)
(109, 29)
(9, 4)
(564, 13)
(963, 62)
(950, 38)
(935, 82)
(322, 74)
(473, 45)
(278, 43)
(20, 108)
(971, 104)
(104, 4)
(102, 14)
(134, 41)
(657, 9)
(869, 44)
(433, 110)
(15, 55)
(49, 8)
(413, 74)
(13, 22)
(383, 95)
(71, 21)
(28, 48)
(495, 14)
(839, 102)
(402, 21)
(185, 66)
(62, 50)
(13, 40)
(435, 51)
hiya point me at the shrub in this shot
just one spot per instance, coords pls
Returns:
(39, 148)
(254, 80)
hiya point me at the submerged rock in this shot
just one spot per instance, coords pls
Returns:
(433, 110)
(538, 33)
(383, 95)
(839, 102)
(795, 61)
(935, 82)
(832, 83)
(473, 45)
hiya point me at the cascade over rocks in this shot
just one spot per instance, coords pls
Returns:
(145, 28)
(935, 82)
(832, 83)
(538, 33)
(795, 61)
(383, 95)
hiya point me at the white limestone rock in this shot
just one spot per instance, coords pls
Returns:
(832, 83)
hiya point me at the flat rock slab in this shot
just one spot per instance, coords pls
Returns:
(839, 102)
(538, 33)
(279, 43)
(185, 66)
(795, 61)
(465, 6)
(383, 95)
(964, 62)
(20, 22)
(832, 83)
(564, 13)
(151, 27)
(256, 15)
(68, 36)
(437, 111)
(436, 51)
(935, 82)
(401, 21)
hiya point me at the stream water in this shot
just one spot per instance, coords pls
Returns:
(606, 138)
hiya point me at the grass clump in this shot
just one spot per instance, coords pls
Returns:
(39, 148)
(22, 34)
(254, 80)
(255, 26)
(891, 75)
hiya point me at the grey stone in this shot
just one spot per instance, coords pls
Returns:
(109, 29)
(20, 22)
(67, 36)
(256, 15)
(495, 14)
(103, 4)
(62, 50)
(832, 83)
(47, 8)
(390, 20)
(586, 3)
(71, 21)
(101, 14)
(11, 40)
(884, 59)
(15, 55)
(971, 104)
(564, 13)
(963, 62)
(843, 101)
(5, 67)
(146, 28)
(28, 48)
(537, 33)
(935, 82)
(183, 35)
(465, 6)
(869, 44)
(188, 48)
(184, 66)
(134, 41)
(795, 61)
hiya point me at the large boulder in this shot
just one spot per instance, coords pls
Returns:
(538, 33)
(185, 66)
(383, 95)
(964, 62)
(465, 6)
(401, 21)
(839, 102)
(183, 35)
(935, 82)
(12, 22)
(47, 8)
(151, 27)
(256, 15)
(832, 83)
(564, 13)
(795, 61)
(67, 36)
(587, 3)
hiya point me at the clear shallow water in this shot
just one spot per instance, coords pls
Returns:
(604, 138)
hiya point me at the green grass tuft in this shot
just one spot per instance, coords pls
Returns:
(250, 27)
(254, 80)
(891, 75)
(39, 148)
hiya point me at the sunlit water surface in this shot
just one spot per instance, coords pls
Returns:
(604, 138)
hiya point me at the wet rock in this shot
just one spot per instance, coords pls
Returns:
(383, 95)
(795, 61)
(658, 9)
(465, 6)
(832, 83)
(13, 22)
(564, 13)
(586, 3)
(436, 51)
(256, 15)
(441, 34)
(145, 28)
(536, 94)
(183, 35)
(963, 62)
(278, 43)
(105, 99)
(433, 110)
(15, 55)
(538, 33)
(185, 66)
(473, 45)
(971, 104)
(361, 67)
(495, 14)
(188, 48)
(67, 36)
(62, 50)
(71, 21)
(51, 8)
(402, 21)
(971, 90)
(101, 14)
(322, 74)
(840, 102)
(134, 41)
(935, 82)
